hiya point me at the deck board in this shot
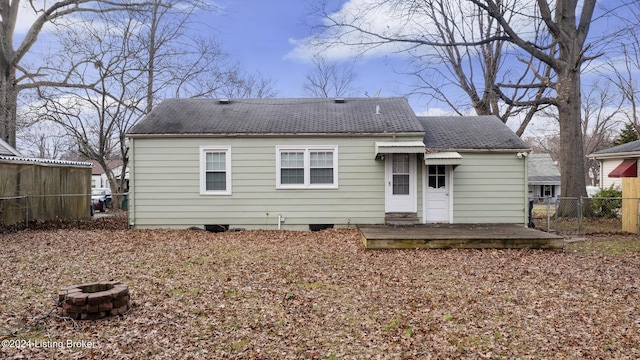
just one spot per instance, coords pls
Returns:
(469, 236)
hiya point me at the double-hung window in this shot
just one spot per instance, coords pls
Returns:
(215, 170)
(292, 167)
(307, 167)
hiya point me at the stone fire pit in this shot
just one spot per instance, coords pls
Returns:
(94, 300)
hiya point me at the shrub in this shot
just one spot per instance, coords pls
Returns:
(607, 202)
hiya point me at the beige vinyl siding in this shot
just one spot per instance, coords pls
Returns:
(490, 187)
(165, 185)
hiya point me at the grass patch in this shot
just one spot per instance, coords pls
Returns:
(611, 245)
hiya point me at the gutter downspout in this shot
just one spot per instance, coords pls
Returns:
(526, 190)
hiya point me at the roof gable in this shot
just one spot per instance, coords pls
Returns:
(99, 170)
(8, 150)
(469, 133)
(630, 147)
(542, 167)
(279, 116)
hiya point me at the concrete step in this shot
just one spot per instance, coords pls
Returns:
(401, 218)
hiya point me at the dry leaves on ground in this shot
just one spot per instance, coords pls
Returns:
(303, 295)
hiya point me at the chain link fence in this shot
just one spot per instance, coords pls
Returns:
(563, 216)
(580, 216)
(32, 211)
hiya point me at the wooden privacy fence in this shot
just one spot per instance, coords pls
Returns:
(630, 204)
(43, 189)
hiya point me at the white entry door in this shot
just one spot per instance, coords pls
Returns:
(400, 178)
(437, 190)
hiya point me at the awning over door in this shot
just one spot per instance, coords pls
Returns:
(443, 158)
(399, 147)
(628, 168)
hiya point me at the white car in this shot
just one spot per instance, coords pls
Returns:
(592, 190)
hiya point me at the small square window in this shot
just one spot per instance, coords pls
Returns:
(321, 167)
(292, 168)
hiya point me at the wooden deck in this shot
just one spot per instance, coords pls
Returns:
(458, 236)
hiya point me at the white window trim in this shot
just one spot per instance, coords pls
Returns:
(307, 149)
(203, 177)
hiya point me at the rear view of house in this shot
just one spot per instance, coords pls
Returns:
(313, 163)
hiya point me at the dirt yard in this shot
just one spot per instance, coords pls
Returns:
(300, 295)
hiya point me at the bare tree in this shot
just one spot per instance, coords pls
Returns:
(561, 45)
(239, 84)
(44, 140)
(177, 62)
(472, 64)
(624, 67)
(97, 119)
(14, 76)
(564, 51)
(602, 113)
(131, 64)
(180, 63)
(623, 72)
(329, 79)
(453, 46)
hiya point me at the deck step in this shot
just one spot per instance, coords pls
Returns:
(401, 218)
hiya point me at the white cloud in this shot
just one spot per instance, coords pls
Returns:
(393, 19)
(29, 12)
(438, 111)
(26, 17)
(342, 43)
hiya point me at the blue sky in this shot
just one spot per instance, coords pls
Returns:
(268, 37)
(262, 36)
(258, 33)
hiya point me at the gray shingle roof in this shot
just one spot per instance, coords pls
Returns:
(542, 169)
(279, 116)
(469, 133)
(633, 146)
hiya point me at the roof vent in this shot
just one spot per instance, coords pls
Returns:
(224, 101)
(377, 109)
(339, 100)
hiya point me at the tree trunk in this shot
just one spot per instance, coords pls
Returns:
(8, 104)
(572, 182)
(570, 36)
(151, 71)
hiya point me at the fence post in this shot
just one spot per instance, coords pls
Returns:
(580, 215)
(548, 201)
(26, 211)
(555, 216)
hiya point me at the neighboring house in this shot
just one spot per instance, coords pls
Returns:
(617, 162)
(99, 176)
(311, 163)
(8, 150)
(544, 177)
